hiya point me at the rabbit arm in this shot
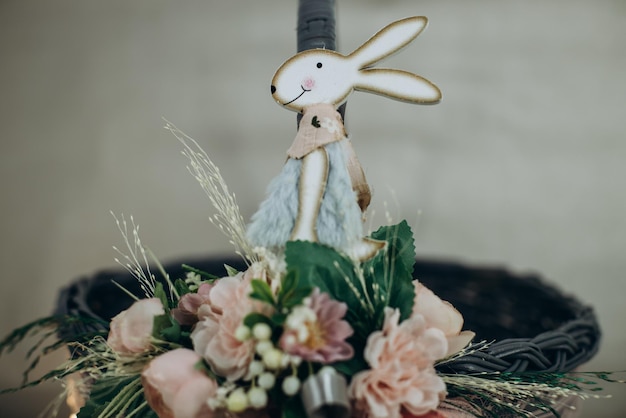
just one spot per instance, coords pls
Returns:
(311, 186)
(357, 176)
(388, 40)
(399, 85)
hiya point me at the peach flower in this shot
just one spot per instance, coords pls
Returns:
(317, 332)
(442, 315)
(174, 388)
(226, 305)
(131, 330)
(402, 377)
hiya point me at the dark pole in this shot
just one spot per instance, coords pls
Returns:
(316, 25)
(316, 29)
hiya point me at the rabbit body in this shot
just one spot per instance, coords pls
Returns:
(339, 221)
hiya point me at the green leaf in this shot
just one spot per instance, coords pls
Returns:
(290, 294)
(231, 271)
(392, 272)
(261, 291)
(288, 284)
(164, 327)
(254, 318)
(159, 293)
(201, 273)
(181, 287)
(296, 297)
(400, 238)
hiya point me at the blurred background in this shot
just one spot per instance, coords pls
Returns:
(522, 165)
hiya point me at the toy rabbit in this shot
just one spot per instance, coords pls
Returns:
(321, 193)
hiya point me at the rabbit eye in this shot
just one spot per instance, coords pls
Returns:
(319, 65)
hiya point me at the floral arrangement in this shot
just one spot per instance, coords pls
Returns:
(308, 332)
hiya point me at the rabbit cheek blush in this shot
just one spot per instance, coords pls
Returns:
(308, 83)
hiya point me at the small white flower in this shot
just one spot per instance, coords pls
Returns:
(291, 385)
(257, 398)
(261, 331)
(266, 380)
(272, 358)
(242, 333)
(237, 401)
(263, 346)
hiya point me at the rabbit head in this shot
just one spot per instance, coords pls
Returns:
(324, 76)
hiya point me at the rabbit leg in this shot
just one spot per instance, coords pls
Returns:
(311, 187)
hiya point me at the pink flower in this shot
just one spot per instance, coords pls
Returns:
(442, 315)
(317, 332)
(402, 377)
(174, 388)
(131, 330)
(187, 311)
(225, 306)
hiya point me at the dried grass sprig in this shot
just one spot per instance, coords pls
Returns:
(227, 218)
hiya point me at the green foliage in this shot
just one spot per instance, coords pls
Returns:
(323, 267)
(116, 396)
(181, 287)
(201, 273)
(392, 271)
(261, 291)
(159, 292)
(254, 318)
(385, 280)
(293, 408)
(290, 293)
(48, 339)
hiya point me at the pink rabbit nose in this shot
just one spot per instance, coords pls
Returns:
(273, 89)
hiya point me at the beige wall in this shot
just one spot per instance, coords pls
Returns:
(522, 164)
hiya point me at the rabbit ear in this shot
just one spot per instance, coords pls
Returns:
(388, 40)
(399, 85)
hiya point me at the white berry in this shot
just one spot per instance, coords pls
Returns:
(261, 331)
(257, 398)
(291, 385)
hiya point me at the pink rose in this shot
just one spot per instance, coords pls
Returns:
(174, 388)
(442, 315)
(131, 330)
(402, 377)
(187, 311)
(223, 311)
